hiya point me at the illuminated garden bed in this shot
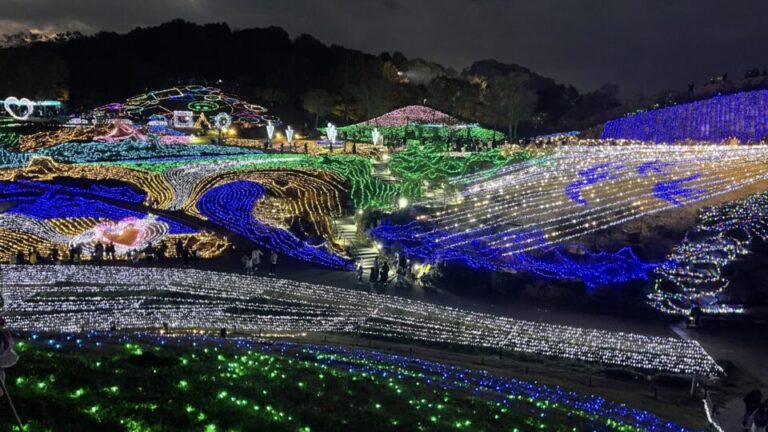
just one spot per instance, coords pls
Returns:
(141, 383)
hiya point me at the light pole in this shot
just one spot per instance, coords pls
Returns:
(270, 134)
(331, 132)
(289, 136)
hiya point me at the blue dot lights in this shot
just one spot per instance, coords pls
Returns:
(53, 201)
(594, 269)
(741, 115)
(231, 206)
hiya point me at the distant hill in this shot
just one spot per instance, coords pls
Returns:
(266, 66)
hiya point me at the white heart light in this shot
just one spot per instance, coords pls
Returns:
(12, 101)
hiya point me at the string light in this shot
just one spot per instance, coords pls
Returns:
(576, 191)
(693, 276)
(720, 118)
(261, 382)
(188, 298)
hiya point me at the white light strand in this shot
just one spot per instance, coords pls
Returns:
(73, 298)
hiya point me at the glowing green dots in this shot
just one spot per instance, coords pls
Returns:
(183, 385)
(77, 393)
(134, 349)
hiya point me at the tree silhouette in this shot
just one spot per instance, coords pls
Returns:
(318, 102)
(511, 100)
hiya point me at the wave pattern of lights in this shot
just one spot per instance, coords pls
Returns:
(185, 298)
(231, 206)
(576, 191)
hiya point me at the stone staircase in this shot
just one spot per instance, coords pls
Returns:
(381, 170)
(346, 234)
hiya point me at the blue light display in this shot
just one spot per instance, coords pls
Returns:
(594, 269)
(741, 115)
(590, 176)
(673, 190)
(231, 206)
(52, 201)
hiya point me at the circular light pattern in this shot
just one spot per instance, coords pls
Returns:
(202, 106)
(194, 99)
(222, 120)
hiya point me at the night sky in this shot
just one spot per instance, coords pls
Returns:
(641, 45)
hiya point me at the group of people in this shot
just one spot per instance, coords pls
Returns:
(74, 255)
(755, 412)
(379, 274)
(102, 252)
(252, 261)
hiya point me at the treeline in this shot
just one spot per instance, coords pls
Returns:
(301, 80)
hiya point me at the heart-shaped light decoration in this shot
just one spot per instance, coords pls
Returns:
(12, 103)
(126, 234)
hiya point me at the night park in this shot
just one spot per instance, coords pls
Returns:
(383, 215)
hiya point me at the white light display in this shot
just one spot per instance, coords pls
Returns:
(222, 121)
(73, 298)
(331, 133)
(289, 134)
(377, 137)
(270, 130)
(183, 119)
(581, 189)
(12, 104)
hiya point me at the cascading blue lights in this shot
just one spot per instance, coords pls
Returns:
(594, 269)
(741, 115)
(54, 201)
(231, 206)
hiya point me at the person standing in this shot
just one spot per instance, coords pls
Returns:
(273, 263)
(248, 265)
(179, 248)
(110, 249)
(758, 422)
(374, 276)
(54, 254)
(256, 255)
(359, 271)
(751, 404)
(384, 273)
(245, 261)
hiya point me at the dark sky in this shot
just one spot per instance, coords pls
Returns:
(641, 45)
